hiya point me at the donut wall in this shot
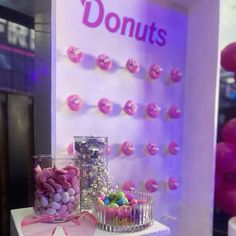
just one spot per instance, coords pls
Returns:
(119, 70)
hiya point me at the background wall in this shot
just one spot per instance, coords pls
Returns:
(118, 85)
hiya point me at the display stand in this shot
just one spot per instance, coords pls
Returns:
(18, 214)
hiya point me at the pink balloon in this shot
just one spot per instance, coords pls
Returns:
(229, 131)
(228, 58)
(225, 157)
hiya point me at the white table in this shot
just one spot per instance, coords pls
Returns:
(17, 215)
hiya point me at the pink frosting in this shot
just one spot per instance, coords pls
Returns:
(175, 75)
(174, 112)
(130, 107)
(152, 149)
(104, 62)
(127, 148)
(155, 71)
(173, 148)
(132, 65)
(74, 102)
(153, 110)
(151, 185)
(75, 54)
(105, 105)
(128, 186)
(172, 183)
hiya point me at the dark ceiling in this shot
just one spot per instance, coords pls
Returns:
(23, 6)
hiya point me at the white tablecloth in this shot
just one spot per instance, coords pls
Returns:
(17, 215)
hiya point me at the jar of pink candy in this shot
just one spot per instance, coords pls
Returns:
(57, 189)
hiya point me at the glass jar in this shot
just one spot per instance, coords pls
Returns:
(94, 179)
(57, 189)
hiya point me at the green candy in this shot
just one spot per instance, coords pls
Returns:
(112, 196)
(113, 205)
(120, 195)
(126, 201)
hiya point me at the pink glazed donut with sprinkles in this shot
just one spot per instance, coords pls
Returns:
(105, 105)
(127, 148)
(151, 185)
(153, 110)
(74, 102)
(174, 112)
(172, 183)
(132, 65)
(152, 149)
(130, 107)
(104, 62)
(75, 54)
(155, 71)
(128, 186)
(175, 75)
(173, 148)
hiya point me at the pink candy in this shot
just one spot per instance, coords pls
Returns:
(74, 102)
(127, 148)
(104, 62)
(132, 65)
(155, 71)
(105, 105)
(175, 75)
(153, 110)
(151, 185)
(55, 188)
(152, 149)
(174, 112)
(75, 54)
(130, 107)
(173, 148)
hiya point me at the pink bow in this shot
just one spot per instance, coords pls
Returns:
(83, 224)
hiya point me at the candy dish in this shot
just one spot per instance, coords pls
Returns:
(124, 212)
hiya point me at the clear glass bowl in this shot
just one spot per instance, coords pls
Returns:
(128, 218)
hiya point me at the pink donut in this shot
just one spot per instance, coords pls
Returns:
(128, 186)
(152, 149)
(74, 102)
(130, 107)
(153, 110)
(105, 105)
(151, 185)
(127, 148)
(132, 65)
(172, 183)
(174, 112)
(173, 148)
(104, 62)
(155, 71)
(75, 54)
(175, 75)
